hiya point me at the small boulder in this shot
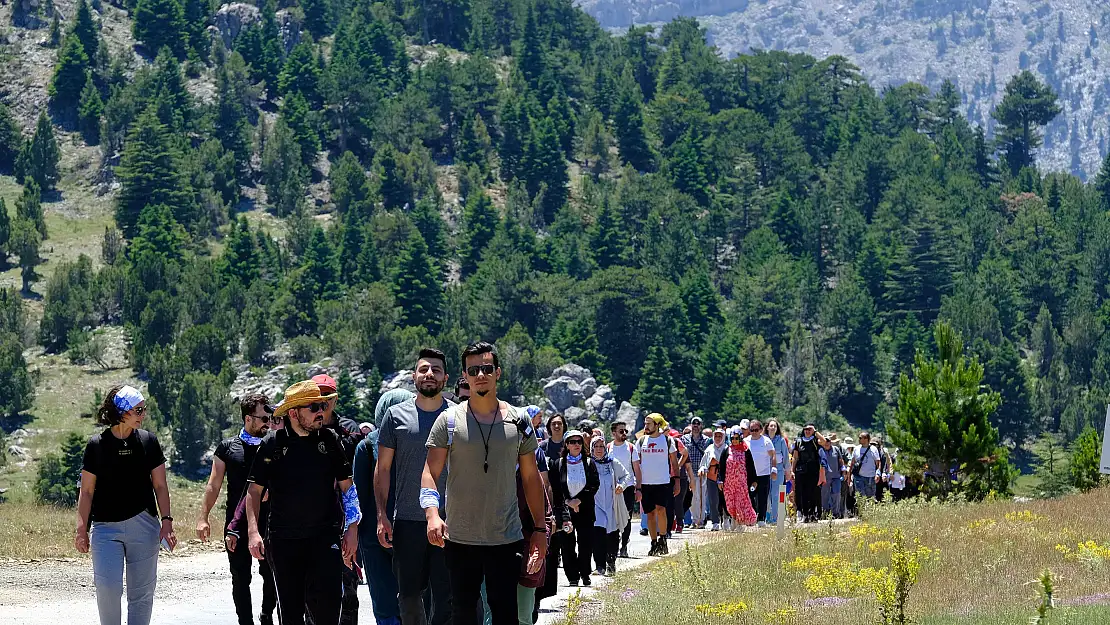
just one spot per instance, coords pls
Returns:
(629, 414)
(604, 392)
(574, 415)
(575, 372)
(562, 393)
(589, 386)
(232, 19)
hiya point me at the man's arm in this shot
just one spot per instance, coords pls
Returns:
(381, 494)
(84, 509)
(254, 503)
(211, 493)
(429, 479)
(533, 492)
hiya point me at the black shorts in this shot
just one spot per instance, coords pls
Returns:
(653, 496)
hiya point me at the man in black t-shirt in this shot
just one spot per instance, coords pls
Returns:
(301, 464)
(233, 458)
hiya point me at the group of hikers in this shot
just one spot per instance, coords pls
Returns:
(451, 507)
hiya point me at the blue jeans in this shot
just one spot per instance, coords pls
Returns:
(129, 546)
(378, 566)
(830, 498)
(865, 486)
(773, 496)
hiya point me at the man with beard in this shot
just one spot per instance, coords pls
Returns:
(484, 440)
(233, 458)
(657, 486)
(402, 452)
(626, 453)
(349, 435)
(300, 464)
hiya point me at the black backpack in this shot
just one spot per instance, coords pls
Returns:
(809, 458)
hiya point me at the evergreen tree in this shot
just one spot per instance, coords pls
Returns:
(943, 415)
(89, 111)
(38, 159)
(318, 17)
(271, 49)
(1102, 184)
(347, 404)
(350, 187)
(150, 173)
(1005, 374)
(545, 168)
(1052, 470)
(58, 477)
(416, 286)
(29, 207)
(159, 234)
(232, 123)
(609, 238)
(429, 222)
(393, 188)
(69, 76)
(577, 343)
(11, 138)
(480, 219)
(160, 23)
(17, 394)
(752, 393)
(86, 29)
(5, 232)
(283, 171)
(628, 120)
(1086, 458)
(530, 60)
(717, 361)
(174, 102)
(514, 132)
(658, 390)
(1027, 104)
(301, 74)
(239, 260)
(191, 428)
(687, 171)
(321, 266)
(25, 241)
(474, 143)
(701, 304)
(302, 123)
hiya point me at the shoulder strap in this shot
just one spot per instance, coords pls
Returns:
(451, 425)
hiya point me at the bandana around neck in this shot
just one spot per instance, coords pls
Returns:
(248, 439)
(574, 459)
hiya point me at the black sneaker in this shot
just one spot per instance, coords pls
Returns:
(610, 570)
(572, 583)
(663, 548)
(623, 553)
(585, 581)
(654, 551)
(643, 531)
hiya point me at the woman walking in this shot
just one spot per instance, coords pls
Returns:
(610, 511)
(574, 481)
(712, 470)
(782, 461)
(739, 479)
(123, 474)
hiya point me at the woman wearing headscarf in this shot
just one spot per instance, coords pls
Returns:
(610, 512)
(739, 467)
(123, 475)
(711, 469)
(782, 463)
(575, 482)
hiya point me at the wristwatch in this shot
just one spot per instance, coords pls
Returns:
(168, 518)
(542, 530)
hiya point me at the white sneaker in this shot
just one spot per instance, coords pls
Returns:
(716, 527)
(761, 524)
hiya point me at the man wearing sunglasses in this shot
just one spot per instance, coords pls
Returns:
(485, 441)
(300, 465)
(626, 453)
(233, 458)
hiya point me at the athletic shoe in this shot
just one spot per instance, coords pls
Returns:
(572, 583)
(678, 530)
(599, 572)
(716, 527)
(623, 553)
(610, 571)
(669, 535)
(643, 531)
(654, 551)
(586, 581)
(663, 548)
(761, 524)
(708, 524)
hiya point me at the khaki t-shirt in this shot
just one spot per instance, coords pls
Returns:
(482, 506)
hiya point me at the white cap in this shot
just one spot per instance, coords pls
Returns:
(744, 424)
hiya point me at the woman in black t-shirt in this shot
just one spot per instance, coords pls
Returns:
(123, 473)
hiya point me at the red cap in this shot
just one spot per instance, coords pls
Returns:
(325, 381)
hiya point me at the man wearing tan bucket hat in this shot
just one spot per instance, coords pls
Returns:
(300, 464)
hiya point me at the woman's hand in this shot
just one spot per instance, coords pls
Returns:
(168, 534)
(619, 489)
(574, 503)
(81, 540)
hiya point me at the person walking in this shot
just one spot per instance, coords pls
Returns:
(575, 482)
(885, 469)
(832, 463)
(808, 475)
(739, 467)
(306, 538)
(711, 470)
(123, 476)
(484, 441)
(696, 444)
(610, 511)
(778, 478)
(233, 458)
(658, 462)
(676, 508)
(865, 467)
(402, 452)
(763, 454)
(552, 446)
(622, 450)
(377, 560)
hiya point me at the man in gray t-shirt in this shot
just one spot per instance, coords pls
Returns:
(484, 440)
(402, 452)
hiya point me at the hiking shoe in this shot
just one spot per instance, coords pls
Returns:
(610, 570)
(654, 551)
(623, 553)
(669, 535)
(716, 527)
(643, 531)
(663, 548)
(572, 583)
(586, 581)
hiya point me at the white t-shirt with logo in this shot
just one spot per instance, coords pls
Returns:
(626, 453)
(760, 448)
(655, 459)
(865, 458)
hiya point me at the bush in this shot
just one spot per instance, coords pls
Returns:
(304, 348)
(59, 475)
(86, 348)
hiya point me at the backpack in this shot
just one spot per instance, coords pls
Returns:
(808, 457)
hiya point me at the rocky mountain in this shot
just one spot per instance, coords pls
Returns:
(979, 44)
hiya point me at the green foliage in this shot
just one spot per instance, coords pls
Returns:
(69, 75)
(416, 285)
(11, 138)
(150, 173)
(86, 29)
(1027, 104)
(68, 304)
(1052, 467)
(58, 479)
(17, 394)
(657, 391)
(199, 412)
(89, 111)
(479, 221)
(38, 158)
(29, 207)
(24, 243)
(160, 24)
(283, 170)
(1086, 460)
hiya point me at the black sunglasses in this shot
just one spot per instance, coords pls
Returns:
(140, 409)
(317, 406)
(267, 419)
(622, 431)
(473, 370)
(576, 441)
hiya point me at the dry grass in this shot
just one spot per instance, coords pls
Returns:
(985, 557)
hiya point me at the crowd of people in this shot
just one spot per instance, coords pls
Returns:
(452, 507)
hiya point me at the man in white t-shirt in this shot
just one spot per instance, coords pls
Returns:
(658, 463)
(623, 451)
(865, 467)
(763, 454)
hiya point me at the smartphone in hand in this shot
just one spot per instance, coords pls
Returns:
(166, 545)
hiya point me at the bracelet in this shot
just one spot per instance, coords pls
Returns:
(541, 530)
(168, 518)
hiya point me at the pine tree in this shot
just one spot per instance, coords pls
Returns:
(29, 207)
(160, 23)
(393, 188)
(150, 172)
(545, 168)
(701, 303)
(1027, 104)
(416, 286)
(318, 17)
(479, 223)
(301, 121)
(17, 394)
(609, 238)
(1051, 470)
(38, 159)
(717, 361)
(174, 102)
(514, 132)
(159, 234)
(272, 50)
(5, 232)
(595, 144)
(530, 60)
(350, 187)
(687, 171)
(86, 29)
(239, 260)
(11, 138)
(628, 120)
(659, 390)
(347, 404)
(195, 15)
(301, 74)
(89, 111)
(429, 222)
(232, 123)
(55, 36)
(1086, 460)
(577, 343)
(25, 241)
(283, 171)
(474, 143)
(1005, 374)
(321, 266)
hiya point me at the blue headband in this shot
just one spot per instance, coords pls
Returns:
(127, 398)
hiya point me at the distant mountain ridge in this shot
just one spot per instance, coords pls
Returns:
(979, 44)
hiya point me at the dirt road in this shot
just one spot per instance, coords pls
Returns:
(192, 590)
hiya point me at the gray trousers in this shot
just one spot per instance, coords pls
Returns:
(134, 542)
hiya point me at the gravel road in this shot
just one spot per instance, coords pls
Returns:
(194, 588)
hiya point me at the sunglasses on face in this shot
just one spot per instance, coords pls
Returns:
(317, 406)
(473, 370)
(574, 442)
(756, 429)
(622, 431)
(140, 409)
(268, 419)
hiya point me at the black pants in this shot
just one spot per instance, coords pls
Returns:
(679, 504)
(348, 613)
(668, 505)
(241, 563)
(308, 577)
(807, 495)
(759, 497)
(630, 503)
(499, 566)
(605, 548)
(577, 565)
(420, 566)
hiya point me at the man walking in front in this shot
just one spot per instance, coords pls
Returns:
(300, 465)
(402, 452)
(233, 458)
(865, 467)
(808, 474)
(484, 440)
(696, 444)
(658, 461)
(628, 455)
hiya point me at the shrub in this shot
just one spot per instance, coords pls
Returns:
(59, 475)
